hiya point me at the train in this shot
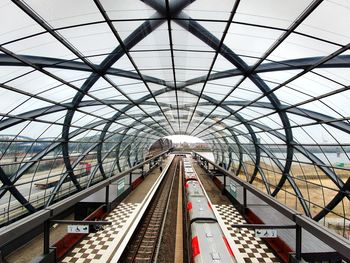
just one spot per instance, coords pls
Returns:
(207, 242)
(84, 170)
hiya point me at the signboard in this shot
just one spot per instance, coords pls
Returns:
(264, 233)
(120, 186)
(78, 229)
(233, 189)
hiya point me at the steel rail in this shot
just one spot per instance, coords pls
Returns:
(155, 256)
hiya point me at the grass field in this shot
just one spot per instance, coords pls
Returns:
(317, 190)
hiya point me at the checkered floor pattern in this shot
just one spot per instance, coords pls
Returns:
(95, 245)
(251, 248)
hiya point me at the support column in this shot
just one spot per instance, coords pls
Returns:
(46, 246)
(244, 200)
(223, 190)
(108, 207)
(130, 179)
(298, 237)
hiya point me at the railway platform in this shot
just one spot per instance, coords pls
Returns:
(296, 236)
(104, 245)
(97, 246)
(140, 223)
(108, 245)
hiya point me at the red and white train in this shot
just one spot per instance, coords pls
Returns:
(208, 242)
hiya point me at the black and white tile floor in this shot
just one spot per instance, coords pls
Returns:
(252, 249)
(96, 247)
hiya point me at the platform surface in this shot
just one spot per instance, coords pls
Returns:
(95, 247)
(252, 249)
(266, 213)
(102, 245)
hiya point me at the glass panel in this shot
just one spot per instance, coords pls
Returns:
(41, 45)
(91, 40)
(316, 24)
(131, 9)
(298, 46)
(22, 26)
(206, 10)
(251, 41)
(281, 15)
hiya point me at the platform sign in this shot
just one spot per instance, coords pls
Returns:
(120, 186)
(233, 189)
(266, 233)
(78, 229)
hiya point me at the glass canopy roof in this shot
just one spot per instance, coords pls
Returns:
(266, 83)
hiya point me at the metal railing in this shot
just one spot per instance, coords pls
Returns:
(17, 229)
(337, 242)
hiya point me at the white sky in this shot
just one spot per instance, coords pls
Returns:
(184, 138)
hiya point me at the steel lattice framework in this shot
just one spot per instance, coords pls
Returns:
(266, 84)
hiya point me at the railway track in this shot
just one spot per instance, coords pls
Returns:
(144, 245)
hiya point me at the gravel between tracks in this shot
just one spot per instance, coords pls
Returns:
(140, 246)
(167, 246)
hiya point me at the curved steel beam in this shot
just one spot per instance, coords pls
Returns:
(305, 113)
(80, 158)
(202, 33)
(47, 150)
(314, 159)
(259, 105)
(255, 159)
(290, 179)
(130, 154)
(118, 152)
(109, 151)
(76, 162)
(342, 61)
(294, 186)
(240, 152)
(316, 116)
(246, 125)
(104, 131)
(225, 150)
(8, 185)
(65, 175)
(220, 148)
(57, 63)
(298, 147)
(343, 192)
(135, 37)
